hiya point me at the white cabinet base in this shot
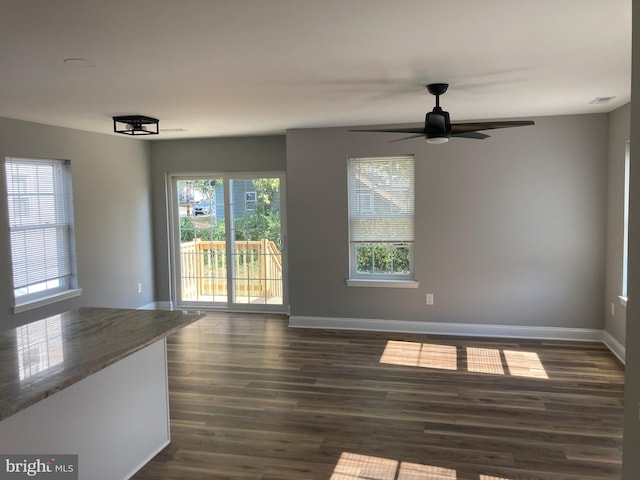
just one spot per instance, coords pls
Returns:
(116, 420)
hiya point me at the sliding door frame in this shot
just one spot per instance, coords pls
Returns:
(173, 234)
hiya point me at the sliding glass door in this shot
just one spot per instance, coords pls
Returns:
(201, 254)
(227, 247)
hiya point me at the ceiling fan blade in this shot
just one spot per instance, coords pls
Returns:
(417, 130)
(475, 126)
(476, 135)
(407, 138)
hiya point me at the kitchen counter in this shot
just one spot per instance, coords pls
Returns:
(91, 381)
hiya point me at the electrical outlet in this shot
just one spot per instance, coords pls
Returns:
(139, 288)
(429, 298)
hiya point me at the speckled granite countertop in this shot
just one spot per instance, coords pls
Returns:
(43, 357)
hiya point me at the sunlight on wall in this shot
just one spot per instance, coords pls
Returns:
(352, 466)
(426, 355)
(479, 360)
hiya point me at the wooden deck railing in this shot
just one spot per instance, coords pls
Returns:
(257, 268)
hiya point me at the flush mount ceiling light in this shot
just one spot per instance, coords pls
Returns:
(136, 125)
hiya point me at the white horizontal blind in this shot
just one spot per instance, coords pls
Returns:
(381, 193)
(41, 225)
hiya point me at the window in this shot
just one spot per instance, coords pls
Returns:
(625, 234)
(381, 218)
(250, 201)
(41, 230)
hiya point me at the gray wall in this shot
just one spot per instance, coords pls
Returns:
(509, 230)
(216, 155)
(619, 125)
(111, 191)
(631, 439)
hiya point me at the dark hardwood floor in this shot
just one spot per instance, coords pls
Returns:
(253, 399)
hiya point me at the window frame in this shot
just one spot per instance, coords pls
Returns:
(45, 288)
(354, 201)
(625, 224)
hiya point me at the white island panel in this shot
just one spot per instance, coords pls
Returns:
(116, 420)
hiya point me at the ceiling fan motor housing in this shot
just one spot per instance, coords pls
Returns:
(437, 124)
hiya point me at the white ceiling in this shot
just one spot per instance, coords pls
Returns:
(246, 67)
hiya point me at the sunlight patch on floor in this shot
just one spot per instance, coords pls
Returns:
(426, 355)
(478, 360)
(352, 466)
(484, 360)
(525, 364)
(401, 353)
(415, 471)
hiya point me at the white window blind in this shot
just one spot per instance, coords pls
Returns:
(381, 196)
(381, 218)
(41, 226)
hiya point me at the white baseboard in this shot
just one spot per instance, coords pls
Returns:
(614, 345)
(461, 329)
(438, 328)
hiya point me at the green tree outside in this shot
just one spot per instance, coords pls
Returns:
(383, 258)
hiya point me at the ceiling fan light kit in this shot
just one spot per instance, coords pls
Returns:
(438, 127)
(136, 125)
(436, 140)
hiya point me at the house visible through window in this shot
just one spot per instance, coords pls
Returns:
(40, 206)
(381, 225)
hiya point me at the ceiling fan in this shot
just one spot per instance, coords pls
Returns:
(438, 127)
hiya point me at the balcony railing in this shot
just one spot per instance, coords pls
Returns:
(257, 270)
